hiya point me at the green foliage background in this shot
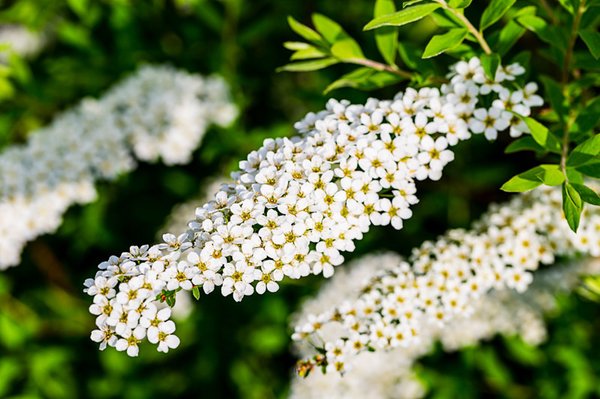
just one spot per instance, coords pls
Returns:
(228, 350)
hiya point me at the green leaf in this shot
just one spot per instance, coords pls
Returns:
(542, 135)
(196, 292)
(587, 194)
(538, 26)
(572, 206)
(567, 5)
(444, 19)
(525, 143)
(508, 37)
(554, 93)
(550, 175)
(459, 3)
(404, 16)
(585, 152)
(441, 43)
(591, 38)
(490, 64)
(295, 46)
(591, 169)
(588, 117)
(305, 32)
(574, 176)
(343, 46)
(386, 38)
(347, 50)
(364, 79)
(310, 52)
(305, 66)
(328, 28)
(494, 12)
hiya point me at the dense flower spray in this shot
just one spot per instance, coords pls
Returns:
(388, 374)
(297, 204)
(443, 279)
(158, 113)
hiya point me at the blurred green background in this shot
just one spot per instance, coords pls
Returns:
(229, 350)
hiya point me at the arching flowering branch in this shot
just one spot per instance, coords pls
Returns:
(158, 113)
(442, 279)
(297, 204)
(389, 374)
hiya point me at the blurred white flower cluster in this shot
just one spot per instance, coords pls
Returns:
(19, 40)
(443, 279)
(159, 112)
(296, 204)
(388, 374)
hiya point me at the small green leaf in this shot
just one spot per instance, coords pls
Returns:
(171, 300)
(441, 43)
(542, 135)
(591, 38)
(404, 16)
(519, 184)
(567, 5)
(587, 118)
(585, 152)
(196, 292)
(587, 194)
(328, 28)
(295, 46)
(550, 175)
(525, 143)
(310, 52)
(346, 50)
(305, 31)
(459, 3)
(572, 206)
(574, 176)
(538, 26)
(490, 64)
(494, 12)
(386, 37)
(591, 169)
(305, 66)
(343, 47)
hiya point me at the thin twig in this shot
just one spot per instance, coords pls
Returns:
(565, 80)
(477, 34)
(571, 45)
(381, 67)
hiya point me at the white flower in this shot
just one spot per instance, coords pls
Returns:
(489, 122)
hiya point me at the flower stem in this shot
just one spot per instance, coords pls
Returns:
(476, 33)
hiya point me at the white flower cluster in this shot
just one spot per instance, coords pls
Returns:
(442, 279)
(388, 374)
(19, 40)
(298, 203)
(158, 112)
